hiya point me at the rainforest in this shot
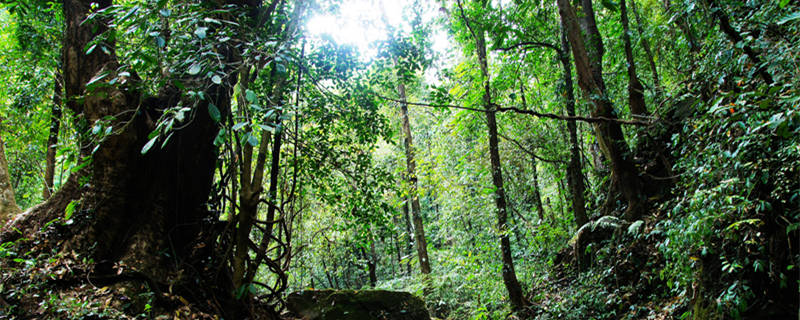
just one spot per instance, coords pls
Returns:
(406, 159)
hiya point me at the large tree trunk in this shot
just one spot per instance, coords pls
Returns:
(411, 176)
(588, 62)
(574, 168)
(140, 215)
(8, 204)
(635, 89)
(140, 204)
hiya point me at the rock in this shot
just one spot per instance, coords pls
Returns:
(356, 305)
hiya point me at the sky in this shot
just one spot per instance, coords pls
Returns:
(360, 23)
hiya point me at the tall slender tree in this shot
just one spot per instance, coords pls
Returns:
(574, 168)
(478, 33)
(52, 138)
(409, 52)
(635, 89)
(411, 177)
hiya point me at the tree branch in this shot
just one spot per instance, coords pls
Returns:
(575, 118)
(530, 44)
(466, 21)
(521, 111)
(529, 152)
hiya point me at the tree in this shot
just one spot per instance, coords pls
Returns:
(8, 204)
(635, 89)
(574, 168)
(143, 207)
(52, 138)
(477, 31)
(411, 176)
(587, 51)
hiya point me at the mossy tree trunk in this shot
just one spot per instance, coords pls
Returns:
(146, 212)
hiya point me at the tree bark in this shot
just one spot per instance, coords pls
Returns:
(52, 138)
(411, 177)
(8, 204)
(636, 101)
(609, 134)
(593, 42)
(574, 168)
(409, 231)
(146, 212)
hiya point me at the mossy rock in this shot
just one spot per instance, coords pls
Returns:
(357, 305)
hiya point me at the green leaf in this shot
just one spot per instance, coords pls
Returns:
(194, 69)
(216, 79)
(149, 145)
(251, 96)
(267, 128)
(160, 42)
(129, 14)
(201, 32)
(635, 227)
(220, 137)
(610, 5)
(164, 144)
(792, 227)
(281, 69)
(213, 112)
(783, 3)
(91, 49)
(97, 78)
(737, 224)
(210, 20)
(252, 140)
(793, 16)
(70, 209)
(239, 125)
